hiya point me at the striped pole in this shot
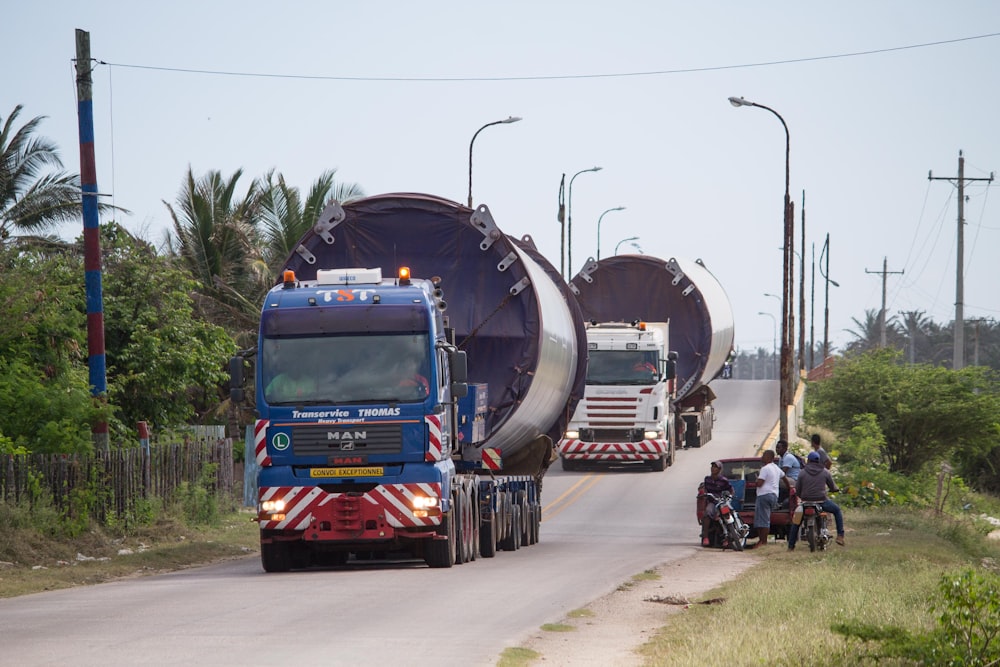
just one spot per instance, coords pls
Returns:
(91, 233)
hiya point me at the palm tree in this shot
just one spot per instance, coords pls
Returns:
(868, 334)
(285, 217)
(36, 194)
(216, 239)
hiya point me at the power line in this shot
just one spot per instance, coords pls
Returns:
(551, 77)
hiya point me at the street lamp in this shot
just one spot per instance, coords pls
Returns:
(619, 244)
(774, 336)
(616, 208)
(826, 307)
(786, 280)
(505, 121)
(569, 226)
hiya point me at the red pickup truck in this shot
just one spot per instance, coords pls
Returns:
(742, 474)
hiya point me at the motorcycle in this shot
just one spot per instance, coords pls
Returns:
(733, 528)
(814, 529)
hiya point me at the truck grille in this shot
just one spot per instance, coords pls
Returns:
(364, 439)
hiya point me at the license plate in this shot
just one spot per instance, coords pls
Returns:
(347, 472)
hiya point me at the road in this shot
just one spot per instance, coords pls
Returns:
(599, 529)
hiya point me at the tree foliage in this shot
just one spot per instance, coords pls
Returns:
(924, 412)
(36, 193)
(165, 366)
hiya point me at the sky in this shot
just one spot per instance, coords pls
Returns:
(875, 95)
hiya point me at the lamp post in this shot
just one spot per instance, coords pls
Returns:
(774, 336)
(616, 208)
(785, 393)
(505, 121)
(619, 244)
(569, 226)
(826, 307)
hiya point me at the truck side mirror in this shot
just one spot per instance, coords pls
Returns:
(459, 366)
(459, 390)
(670, 366)
(236, 380)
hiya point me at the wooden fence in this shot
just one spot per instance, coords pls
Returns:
(116, 480)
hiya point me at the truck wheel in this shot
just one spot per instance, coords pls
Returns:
(275, 557)
(441, 553)
(568, 465)
(488, 536)
(659, 464)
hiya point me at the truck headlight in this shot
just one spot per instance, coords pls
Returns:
(652, 435)
(423, 502)
(572, 435)
(272, 506)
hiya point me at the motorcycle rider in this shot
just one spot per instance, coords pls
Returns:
(715, 483)
(814, 481)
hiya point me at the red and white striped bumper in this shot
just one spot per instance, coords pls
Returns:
(375, 515)
(645, 450)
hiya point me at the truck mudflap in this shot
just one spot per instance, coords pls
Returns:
(383, 513)
(645, 450)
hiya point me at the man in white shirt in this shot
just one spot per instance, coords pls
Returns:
(768, 481)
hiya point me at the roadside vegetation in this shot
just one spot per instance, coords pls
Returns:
(911, 588)
(919, 580)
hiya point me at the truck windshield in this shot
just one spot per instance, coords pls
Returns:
(622, 367)
(369, 368)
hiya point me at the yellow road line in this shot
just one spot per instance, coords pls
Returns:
(570, 496)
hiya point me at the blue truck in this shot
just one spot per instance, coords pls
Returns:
(413, 367)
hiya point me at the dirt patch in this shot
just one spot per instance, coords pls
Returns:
(620, 622)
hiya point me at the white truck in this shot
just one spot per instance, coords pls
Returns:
(625, 416)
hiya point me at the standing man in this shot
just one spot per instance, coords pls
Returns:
(788, 462)
(824, 458)
(790, 465)
(768, 481)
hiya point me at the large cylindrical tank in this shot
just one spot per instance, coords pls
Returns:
(679, 291)
(512, 313)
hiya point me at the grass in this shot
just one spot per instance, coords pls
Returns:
(33, 561)
(558, 627)
(781, 611)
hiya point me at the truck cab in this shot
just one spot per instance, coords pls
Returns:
(356, 394)
(624, 417)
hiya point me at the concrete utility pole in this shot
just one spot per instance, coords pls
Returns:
(881, 313)
(959, 325)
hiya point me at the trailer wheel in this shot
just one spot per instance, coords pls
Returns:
(512, 542)
(488, 536)
(474, 522)
(527, 519)
(441, 553)
(275, 557)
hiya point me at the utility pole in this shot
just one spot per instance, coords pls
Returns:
(812, 311)
(959, 325)
(96, 359)
(802, 291)
(881, 313)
